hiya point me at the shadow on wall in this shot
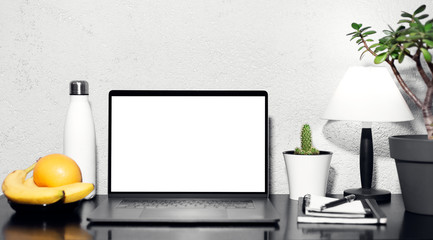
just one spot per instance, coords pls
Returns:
(347, 135)
(331, 180)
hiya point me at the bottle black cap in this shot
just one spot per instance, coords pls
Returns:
(79, 88)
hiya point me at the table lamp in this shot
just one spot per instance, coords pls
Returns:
(368, 94)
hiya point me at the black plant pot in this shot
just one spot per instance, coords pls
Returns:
(413, 156)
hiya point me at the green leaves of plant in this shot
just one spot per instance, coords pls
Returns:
(405, 14)
(428, 42)
(419, 9)
(428, 27)
(404, 21)
(362, 34)
(381, 58)
(356, 26)
(381, 48)
(418, 35)
(401, 57)
(427, 55)
(369, 33)
(396, 44)
(422, 16)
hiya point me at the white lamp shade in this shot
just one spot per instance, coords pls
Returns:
(368, 94)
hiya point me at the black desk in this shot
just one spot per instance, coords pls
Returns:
(401, 225)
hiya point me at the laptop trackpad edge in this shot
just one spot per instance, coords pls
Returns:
(177, 214)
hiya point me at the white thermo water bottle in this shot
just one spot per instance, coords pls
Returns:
(79, 141)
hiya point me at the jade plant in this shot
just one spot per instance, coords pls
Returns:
(412, 39)
(306, 142)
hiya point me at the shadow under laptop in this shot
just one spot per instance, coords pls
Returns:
(182, 231)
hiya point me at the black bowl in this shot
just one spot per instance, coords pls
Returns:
(53, 208)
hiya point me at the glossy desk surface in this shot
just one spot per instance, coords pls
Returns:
(401, 225)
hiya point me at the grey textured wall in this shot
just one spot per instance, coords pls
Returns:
(296, 50)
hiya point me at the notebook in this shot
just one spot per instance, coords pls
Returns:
(365, 211)
(187, 156)
(313, 206)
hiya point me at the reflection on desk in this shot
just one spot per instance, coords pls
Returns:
(27, 227)
(401, 225)
(415, 223)
(342, 231)
(181, 232)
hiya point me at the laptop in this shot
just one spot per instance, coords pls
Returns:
(187, 156)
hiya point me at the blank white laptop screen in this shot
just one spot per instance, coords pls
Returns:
(188, 144)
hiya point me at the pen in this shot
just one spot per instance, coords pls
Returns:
(346, 199)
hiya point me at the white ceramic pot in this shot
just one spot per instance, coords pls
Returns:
(308, 174)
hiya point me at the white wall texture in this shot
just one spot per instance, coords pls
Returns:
(296, 50)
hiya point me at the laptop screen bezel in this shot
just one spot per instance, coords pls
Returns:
(253, 93)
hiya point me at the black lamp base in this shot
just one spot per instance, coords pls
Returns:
(363, 193)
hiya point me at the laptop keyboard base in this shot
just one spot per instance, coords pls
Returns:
(187, 204)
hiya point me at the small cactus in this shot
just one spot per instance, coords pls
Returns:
(306, 142)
